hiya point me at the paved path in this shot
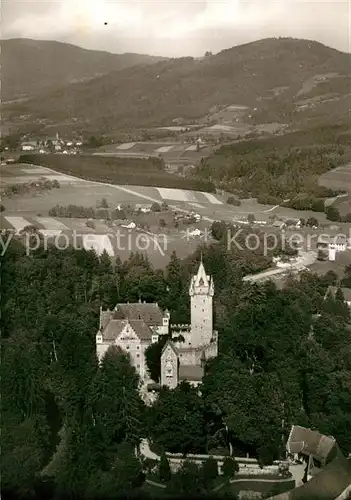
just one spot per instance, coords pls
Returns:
(306, 259)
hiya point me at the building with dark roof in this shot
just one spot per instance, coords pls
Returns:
(328, 470)
(133, 327)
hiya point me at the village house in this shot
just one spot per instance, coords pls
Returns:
(330, 245)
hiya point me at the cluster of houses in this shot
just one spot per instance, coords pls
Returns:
(52, 144)
(329, 246)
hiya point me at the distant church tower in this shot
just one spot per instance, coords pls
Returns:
(201, 293)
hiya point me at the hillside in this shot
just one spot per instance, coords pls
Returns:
(270, 76)
(30, 67)
(285, 167)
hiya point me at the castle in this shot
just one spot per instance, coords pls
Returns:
(133, 327)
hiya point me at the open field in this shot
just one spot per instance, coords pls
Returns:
(339, 178)
(177, 152)
(115, 240)
(86, 193)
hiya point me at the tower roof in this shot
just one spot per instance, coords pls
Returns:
(201, 279)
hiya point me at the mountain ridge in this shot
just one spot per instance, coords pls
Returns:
(48, 64)
(156, 94)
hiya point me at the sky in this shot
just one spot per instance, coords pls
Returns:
(176, 28)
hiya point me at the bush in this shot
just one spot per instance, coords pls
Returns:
(251, 218)
(102, 203)
(209, 471)
(230, 467)
(333, 214)
(56, 184)
(163, 223)
(155, 207)
(164, 469)
(90, 223)
(233, 201)
(2, 208)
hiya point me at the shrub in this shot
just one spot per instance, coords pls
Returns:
(164, 469)
(233, 201)
(209, 470)
(230, 467)
(251, 218)
(102, 203)
(155, 207)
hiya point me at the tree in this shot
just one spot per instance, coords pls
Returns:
(153, 357)
(218, 230)
(187, 480)
(312, 222)
(332, 214)
(162, 223)
(2, 208)
(102, 203)
(229, 467)
(155, 207)
(177, 420)
(209, 471)
(164, 469)
(233, 201)
(251, 218)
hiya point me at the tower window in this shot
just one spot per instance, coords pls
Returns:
(203, 310)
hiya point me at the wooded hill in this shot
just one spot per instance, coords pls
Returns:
(267, 74)
(281, 167)
(31, 67)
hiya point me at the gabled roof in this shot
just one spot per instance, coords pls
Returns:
(151, 314)
(116, 326)
(113, 329)
(309, 442)
(191, 373)
(105, 317)
(170, 344)
(141, 329)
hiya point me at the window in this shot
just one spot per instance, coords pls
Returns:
(203, 310)
(138, 355)
(138, 366)
(127, 347)
(138, 347)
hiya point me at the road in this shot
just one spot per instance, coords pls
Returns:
(304, 260)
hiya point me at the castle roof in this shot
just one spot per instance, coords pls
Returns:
(150, 313)
(116, 326)
(173, 347)
(191, 373)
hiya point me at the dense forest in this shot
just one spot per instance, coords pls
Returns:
(69, 429)
(113, 170)
(280, 168)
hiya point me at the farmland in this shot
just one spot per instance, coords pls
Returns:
(339, 178)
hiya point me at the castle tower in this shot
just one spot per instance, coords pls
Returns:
(201, 293)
